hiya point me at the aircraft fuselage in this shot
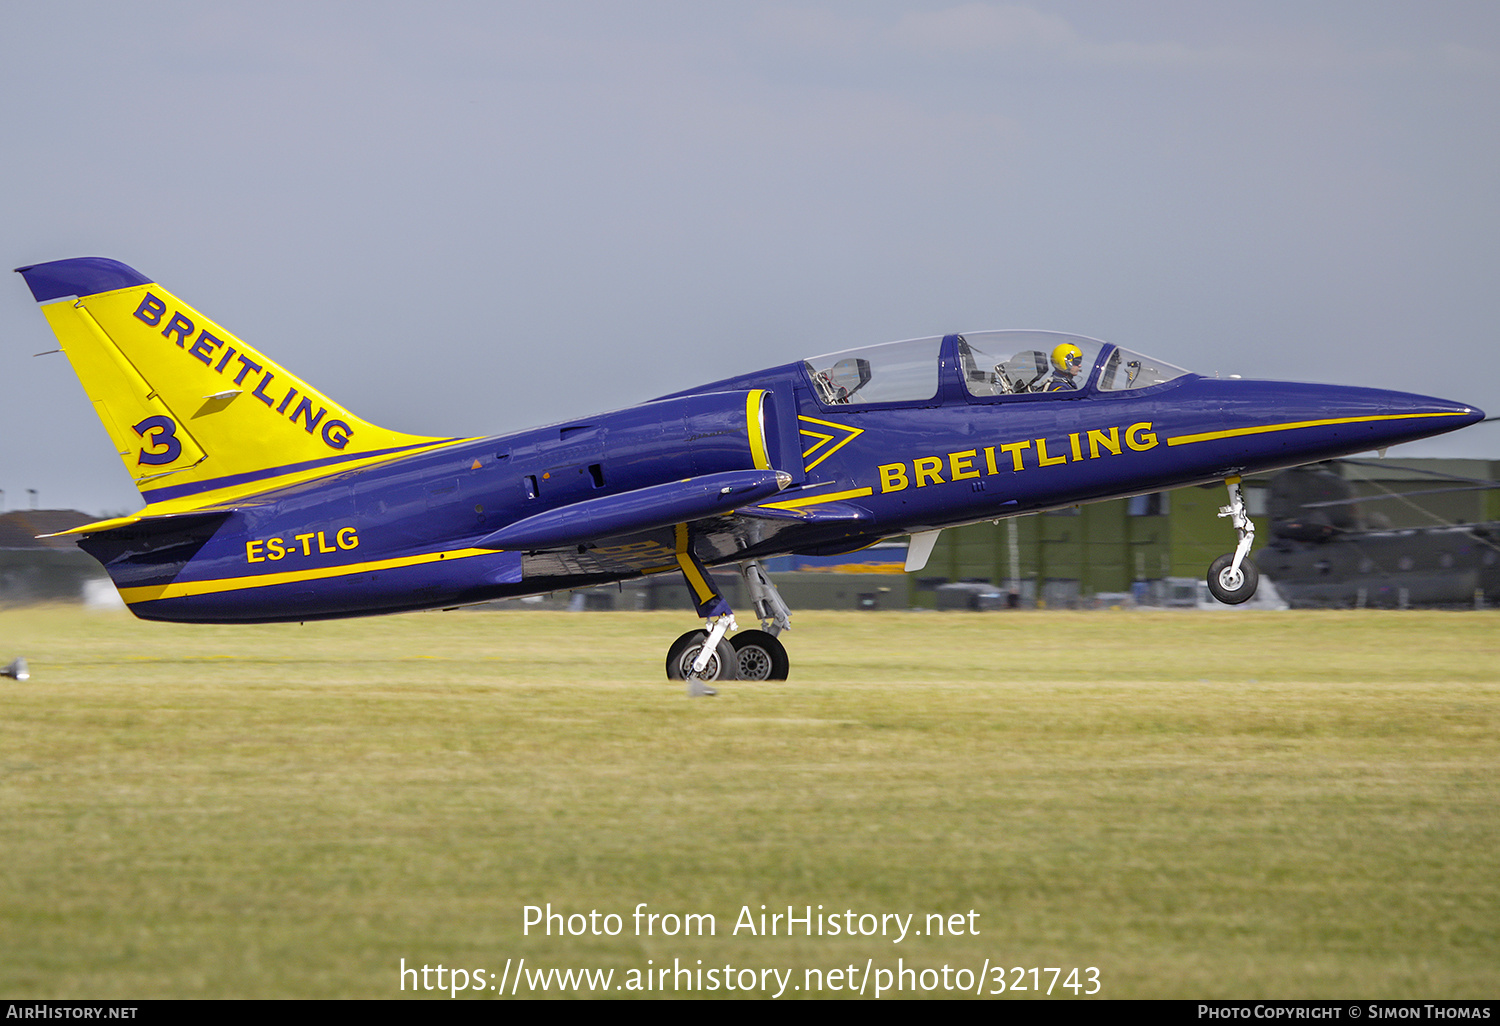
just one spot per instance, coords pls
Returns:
(418, 531)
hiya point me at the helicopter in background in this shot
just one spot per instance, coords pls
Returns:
(1327, 550)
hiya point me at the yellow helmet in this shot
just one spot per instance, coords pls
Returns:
(1067, 358)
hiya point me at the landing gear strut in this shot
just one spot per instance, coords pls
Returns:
(1232, 578)
(760, 655)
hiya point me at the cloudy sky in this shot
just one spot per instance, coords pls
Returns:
(468, 218)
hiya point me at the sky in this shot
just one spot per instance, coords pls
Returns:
(470, 218)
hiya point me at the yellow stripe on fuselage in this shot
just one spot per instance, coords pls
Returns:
(183, 589)
(815, 500)
(753, 407)
(229, 494)
(1261, 429)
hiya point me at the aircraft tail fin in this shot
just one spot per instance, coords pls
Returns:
(194, 413)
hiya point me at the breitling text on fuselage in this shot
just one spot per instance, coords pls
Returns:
(1016, 456)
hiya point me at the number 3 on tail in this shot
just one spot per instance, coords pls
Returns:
(162, 447)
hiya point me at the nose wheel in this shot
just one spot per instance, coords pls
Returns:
(1233, 578)
(1230, 584)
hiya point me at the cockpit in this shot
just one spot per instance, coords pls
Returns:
(990, 364)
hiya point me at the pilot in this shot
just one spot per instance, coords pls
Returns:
(1067, 365)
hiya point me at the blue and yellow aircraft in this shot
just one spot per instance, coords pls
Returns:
(268, 501)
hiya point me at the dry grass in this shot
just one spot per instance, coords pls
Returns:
(1200, 805)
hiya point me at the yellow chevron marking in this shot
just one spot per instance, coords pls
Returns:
(849, 433)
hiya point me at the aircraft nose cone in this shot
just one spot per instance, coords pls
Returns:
(1397, 416)
(1269, 424)
(1471, 415)
(1442, 414)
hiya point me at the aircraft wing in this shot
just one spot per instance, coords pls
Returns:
(744, 532)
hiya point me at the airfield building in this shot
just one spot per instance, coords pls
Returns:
(40, 569)
(1393, 532)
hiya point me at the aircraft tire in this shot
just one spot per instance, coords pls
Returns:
(1231, 588)
(760, 656)
(685, 649)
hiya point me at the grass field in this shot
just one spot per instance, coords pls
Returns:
(1198, 805)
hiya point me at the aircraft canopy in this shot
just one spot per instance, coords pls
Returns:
(992, 363)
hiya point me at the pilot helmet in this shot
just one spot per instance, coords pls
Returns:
(1067, 358)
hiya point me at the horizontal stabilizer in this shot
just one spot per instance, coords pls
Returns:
(146, 522)
(643, 509)
(150, 550)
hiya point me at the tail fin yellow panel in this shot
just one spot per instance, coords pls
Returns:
(141, 426)
(191, 408)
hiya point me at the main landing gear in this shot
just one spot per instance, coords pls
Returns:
(759, 655)
(1232, 578)
(702, 656)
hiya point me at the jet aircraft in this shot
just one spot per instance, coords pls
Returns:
(266, 500)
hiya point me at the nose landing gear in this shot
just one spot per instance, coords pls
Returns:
(1233, 578)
